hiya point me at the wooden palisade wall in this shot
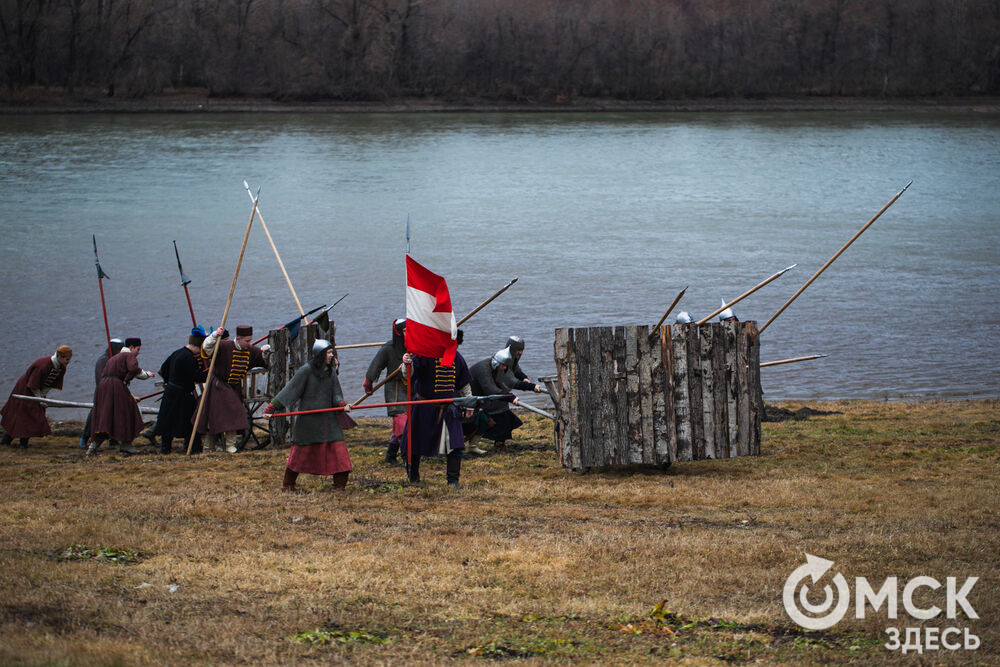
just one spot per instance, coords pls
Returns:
(684, 393)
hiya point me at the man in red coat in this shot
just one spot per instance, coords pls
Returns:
(26, 419)
(116, 414)
(224, 411)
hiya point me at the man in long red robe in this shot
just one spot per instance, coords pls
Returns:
(224, 411)
(116, 414)
(26, 419)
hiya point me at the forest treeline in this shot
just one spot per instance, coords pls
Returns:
(525, 50)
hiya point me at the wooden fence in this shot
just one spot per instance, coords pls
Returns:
(684, 393)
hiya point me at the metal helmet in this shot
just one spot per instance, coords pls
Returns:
(515, 343)
(399, 326)
(320, 345)
(501, 357)
(727, 314)
(683, 317)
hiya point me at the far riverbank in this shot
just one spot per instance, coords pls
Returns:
(199, 101)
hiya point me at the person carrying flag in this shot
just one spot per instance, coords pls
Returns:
(435, 370)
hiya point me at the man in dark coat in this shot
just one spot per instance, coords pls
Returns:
(436, 429)
(224, 410)
(180, 372)
(489, 377)
(389, 358)
(116, 414)
(26, 419)
(116, 347)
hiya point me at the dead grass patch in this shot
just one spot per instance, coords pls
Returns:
(527, 562)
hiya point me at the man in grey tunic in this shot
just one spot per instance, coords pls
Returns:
(388, 358)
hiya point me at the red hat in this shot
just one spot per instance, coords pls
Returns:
(244, 330)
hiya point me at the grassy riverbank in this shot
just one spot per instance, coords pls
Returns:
(205, 562)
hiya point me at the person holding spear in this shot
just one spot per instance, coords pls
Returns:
(180, 372)
(388, 358)
(317, 439)
(24, 419)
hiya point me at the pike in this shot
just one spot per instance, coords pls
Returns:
(184, 283)
(460, 323)
(293, 325)
(275, 249)
(72, 404)
(225, 314)
(674, 303)
(101, 275)
(793, 360)
(745, 295)
(466, 402)
(835, 256)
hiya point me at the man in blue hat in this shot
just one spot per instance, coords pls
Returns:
(180, 372)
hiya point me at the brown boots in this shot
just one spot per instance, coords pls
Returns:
(288, 484)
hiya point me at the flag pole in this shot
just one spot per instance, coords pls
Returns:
(225, 314)
(836, 255)
(275, 249)
(409, 385)
(184, 283)
(460, 323)
(100, 285)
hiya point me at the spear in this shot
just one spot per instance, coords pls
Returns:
(101, 275)
(292, 326)
(676, 299)
(836, 255)
(184, 283)
(744, 295)
(225, 314)
(460, 401)
(275, 249)
(792, 360)
(460, 323)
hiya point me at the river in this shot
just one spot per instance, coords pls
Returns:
(602, 217)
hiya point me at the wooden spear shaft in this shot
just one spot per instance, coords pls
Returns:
(460, 323)
(838, 253)
(792, 360)
(225, 314)
(276, 255)
(676, 300)
(744, 295)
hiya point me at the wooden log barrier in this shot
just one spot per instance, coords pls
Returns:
(626, 395)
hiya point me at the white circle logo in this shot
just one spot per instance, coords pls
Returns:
(815, 567)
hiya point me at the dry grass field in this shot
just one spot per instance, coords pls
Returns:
(202, 560)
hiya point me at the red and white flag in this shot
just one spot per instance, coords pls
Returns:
(430, 321)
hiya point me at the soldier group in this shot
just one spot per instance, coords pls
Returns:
(318, 446)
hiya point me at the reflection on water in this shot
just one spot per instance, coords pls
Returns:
(603, 217)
